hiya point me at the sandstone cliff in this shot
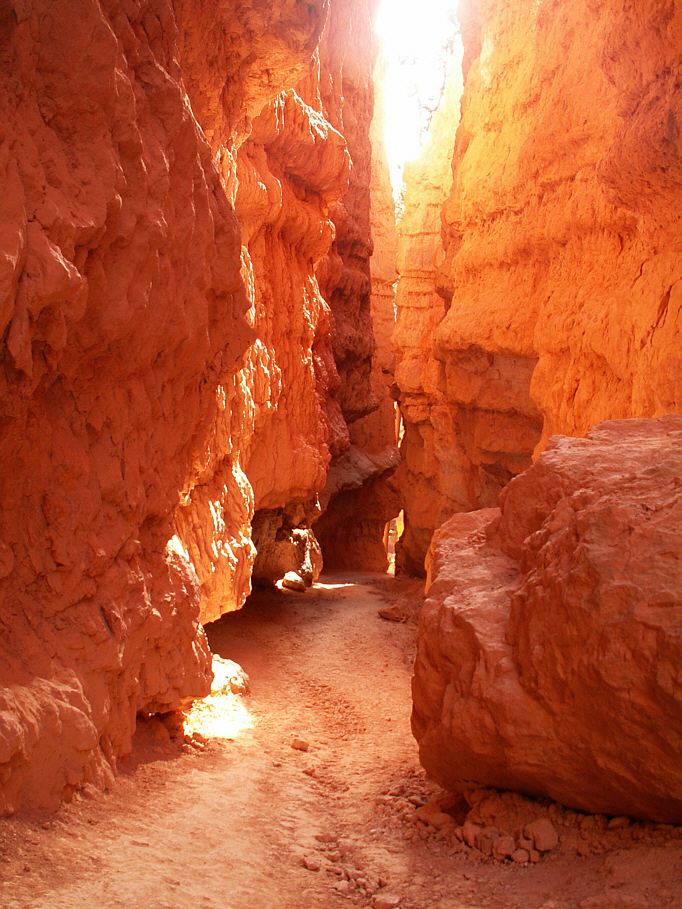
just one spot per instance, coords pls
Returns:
(169, 361)
(302, 444)
(360, 496)
(549, 644)
(431, 460)
(561, 269)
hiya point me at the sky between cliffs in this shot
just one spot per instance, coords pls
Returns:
(415, 35)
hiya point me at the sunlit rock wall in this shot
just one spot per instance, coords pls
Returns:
(347, 97)
(165, 369)
(284, 166)
(291, 171)
(434, 475)
(357, 278)
(561, 273)
(562, 229)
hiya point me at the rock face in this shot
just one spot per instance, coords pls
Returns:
(360, 496)
(123, 306)
(561, 268)
(285, 544)
(306, 423)
(550, 646)
(168, 360)
(347, 96)
(431, 459)
(291, 172)
(285, 167)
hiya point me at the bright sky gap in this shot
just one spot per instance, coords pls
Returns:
(417, 38)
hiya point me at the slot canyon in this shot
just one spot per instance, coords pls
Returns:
(340, 541)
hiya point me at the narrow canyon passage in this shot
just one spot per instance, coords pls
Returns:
(235, 348)
(251, 821)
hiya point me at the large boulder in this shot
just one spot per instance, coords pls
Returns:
(550, 644)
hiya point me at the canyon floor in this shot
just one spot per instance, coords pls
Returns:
(235, 813)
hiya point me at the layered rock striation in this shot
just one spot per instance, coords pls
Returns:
(561, 267)
(549, 645)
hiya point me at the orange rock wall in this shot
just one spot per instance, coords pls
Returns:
(360, 496)
(561, 271)
(431, 457)
(168, 362)
(285, 167)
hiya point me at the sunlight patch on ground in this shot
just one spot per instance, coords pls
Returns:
(418, 40)
(337, 586)
(223, 714)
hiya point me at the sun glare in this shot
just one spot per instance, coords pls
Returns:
(418, 38)
(223, 714)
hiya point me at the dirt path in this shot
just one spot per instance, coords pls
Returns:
(233, 822)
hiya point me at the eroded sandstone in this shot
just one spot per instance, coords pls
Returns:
(549, 644)
(360, 495)
(124, 307)
(419, 309)
(568, 250)
(439, 471)
(168, 367)
(560, 273)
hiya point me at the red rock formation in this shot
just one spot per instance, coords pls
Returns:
(549, 644)
(347, 96)
(137, 435)
(561, 271)
(568, 250)
(283, 166)
(121, 284)
(359, 497)
(291, 172)
(431, 459)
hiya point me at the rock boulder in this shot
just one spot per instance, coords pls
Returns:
(550, 643)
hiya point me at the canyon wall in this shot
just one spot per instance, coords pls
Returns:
(560, 276)
(360, 495)
(168, 365)
(430, 462)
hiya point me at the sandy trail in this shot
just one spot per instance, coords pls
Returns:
(232, 822)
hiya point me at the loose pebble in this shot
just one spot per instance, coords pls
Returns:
(543, 834)
(503, 847)
(325, 837)
(293, 581)
(386, 901)
(469, 833)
